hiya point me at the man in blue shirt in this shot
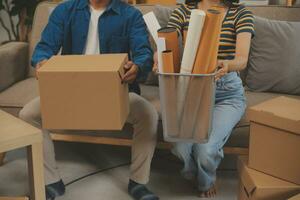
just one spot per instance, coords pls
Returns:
(93, 27)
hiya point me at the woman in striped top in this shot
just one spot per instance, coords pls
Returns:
(202, 160)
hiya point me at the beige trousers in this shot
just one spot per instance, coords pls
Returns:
(142, 116)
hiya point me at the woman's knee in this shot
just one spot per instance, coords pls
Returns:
(182, 150)
(207, 155)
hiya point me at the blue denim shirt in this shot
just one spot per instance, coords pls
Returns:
(121, 30)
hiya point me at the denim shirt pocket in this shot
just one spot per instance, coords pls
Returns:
(119, 44)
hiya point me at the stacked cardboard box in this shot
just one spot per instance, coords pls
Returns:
(297, 197)
(273, 168)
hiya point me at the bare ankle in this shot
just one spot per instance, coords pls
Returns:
(210, 193)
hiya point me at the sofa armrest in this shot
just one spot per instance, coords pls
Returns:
(13, 63)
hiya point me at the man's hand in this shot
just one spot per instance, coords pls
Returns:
(39, 65)
(131, 72)
(223, 69)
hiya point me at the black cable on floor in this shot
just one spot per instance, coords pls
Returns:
(96, 172)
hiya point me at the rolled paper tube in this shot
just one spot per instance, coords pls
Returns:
(214, 58)
(152, 24)
(161, 46)
(184, 36)
(167, 60)
(188, 118)
(219, 8)
(190, 50)
(192, 40)
(208, 42)
(169, 95)
(203, 123)
(172, 43)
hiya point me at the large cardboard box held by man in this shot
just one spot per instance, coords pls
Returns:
(275, 138)
(255, 185)
(84, 92)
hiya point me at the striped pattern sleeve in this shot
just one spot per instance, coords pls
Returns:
(177, 19)
(245, 22)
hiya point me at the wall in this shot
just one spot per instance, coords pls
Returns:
(3, 34)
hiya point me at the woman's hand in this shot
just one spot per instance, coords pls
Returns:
(155, 64)
(223, 69)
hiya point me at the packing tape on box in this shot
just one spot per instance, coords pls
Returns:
(208, 47)
(172, 43)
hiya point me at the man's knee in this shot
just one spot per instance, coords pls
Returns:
(144, 111)
(31, 112)
(26, 115)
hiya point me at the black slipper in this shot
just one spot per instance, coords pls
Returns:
(55, 190)
(140, 192)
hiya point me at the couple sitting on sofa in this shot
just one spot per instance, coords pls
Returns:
(111, 26)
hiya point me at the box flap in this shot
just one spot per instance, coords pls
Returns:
(297, 197)
(78, 63)
(281, 112)
(254, 180)
(246, 180)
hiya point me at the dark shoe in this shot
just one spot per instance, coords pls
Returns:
(140, 192)
(55, 190)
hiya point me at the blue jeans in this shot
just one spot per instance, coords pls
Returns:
(202, 160)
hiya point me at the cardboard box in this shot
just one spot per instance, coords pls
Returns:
(297, 197)
(81, 92)
(275, 138)
(255, 185)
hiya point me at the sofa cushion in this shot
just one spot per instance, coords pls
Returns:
(274, 58)
(13, 68)
(239, 137)
(19, 94)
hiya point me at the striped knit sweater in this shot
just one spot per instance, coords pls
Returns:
(237, 20)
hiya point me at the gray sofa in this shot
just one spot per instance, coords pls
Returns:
(18, 85)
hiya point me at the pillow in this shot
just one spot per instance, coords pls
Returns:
(274, 61)
(14, 60)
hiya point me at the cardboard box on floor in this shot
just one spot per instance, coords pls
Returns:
(84, 92)
(297, 197)
(255, 185)
(275, 138)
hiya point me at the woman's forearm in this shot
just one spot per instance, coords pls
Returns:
(237, 64)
